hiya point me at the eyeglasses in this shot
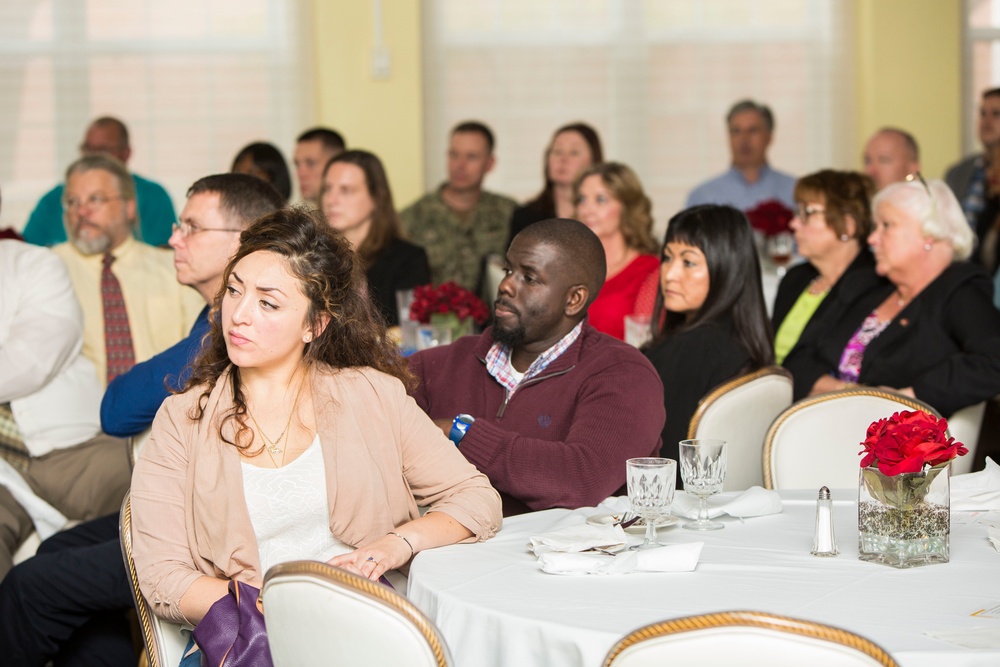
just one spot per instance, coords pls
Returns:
(805, 212)
(93, 201)
(187, 229)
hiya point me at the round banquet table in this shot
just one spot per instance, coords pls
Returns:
(496, 608)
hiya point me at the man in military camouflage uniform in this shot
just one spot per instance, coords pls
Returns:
(460, 224)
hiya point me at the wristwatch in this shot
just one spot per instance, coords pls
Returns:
(459, 427)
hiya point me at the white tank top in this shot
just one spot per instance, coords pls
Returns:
(289, 510)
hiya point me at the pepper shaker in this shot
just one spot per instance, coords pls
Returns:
(824, 541)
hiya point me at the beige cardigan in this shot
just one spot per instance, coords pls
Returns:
(383, 456)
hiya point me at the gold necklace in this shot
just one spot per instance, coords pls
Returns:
(272, 446)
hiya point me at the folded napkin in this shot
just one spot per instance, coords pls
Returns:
(977, 490)
(755, 501)
(673, 558)
(579, 538)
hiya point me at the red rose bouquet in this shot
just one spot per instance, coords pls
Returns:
(908, 441)
(447, 298)
(770, 217)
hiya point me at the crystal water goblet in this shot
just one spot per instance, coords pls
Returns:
(651, 483)
(703, 470)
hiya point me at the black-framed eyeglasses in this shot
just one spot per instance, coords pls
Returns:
(187, 229)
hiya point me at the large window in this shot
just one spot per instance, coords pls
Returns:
(655, 77)
(194, 80)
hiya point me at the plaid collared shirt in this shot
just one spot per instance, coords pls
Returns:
(498, 361)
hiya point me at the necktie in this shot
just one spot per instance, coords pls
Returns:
(117, 335)
(12, 447)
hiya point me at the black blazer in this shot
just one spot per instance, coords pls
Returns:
(529, 214)
(400, 265)
(859, 285)
(945, 343)
(691, 363)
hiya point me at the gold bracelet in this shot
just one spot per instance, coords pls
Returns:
(405, 540)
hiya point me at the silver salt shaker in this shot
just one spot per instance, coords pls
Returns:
(824, 541)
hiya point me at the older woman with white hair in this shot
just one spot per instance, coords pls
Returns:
(932, 331)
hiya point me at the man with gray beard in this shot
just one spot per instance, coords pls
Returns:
(133, 307)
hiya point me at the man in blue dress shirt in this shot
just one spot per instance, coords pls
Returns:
(750, 180)
(156, 211)
(67, 604)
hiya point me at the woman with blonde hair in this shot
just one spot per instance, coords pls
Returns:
(611, 202)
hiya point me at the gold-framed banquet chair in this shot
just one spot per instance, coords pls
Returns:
(745, 638)
(816, 441)
(740, 411)
(318, 615)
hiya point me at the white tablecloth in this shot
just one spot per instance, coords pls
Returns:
(496, 608)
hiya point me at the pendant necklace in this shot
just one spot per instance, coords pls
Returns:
(274, 447)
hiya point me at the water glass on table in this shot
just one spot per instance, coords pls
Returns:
(780, 248)
(651, 483)
(703, 470)
(637, 330)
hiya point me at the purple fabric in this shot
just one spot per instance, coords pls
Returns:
(232, 633)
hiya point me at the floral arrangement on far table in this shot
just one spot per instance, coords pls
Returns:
(449, 297)
(770, 217)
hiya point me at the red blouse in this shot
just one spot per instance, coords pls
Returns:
(631, 292)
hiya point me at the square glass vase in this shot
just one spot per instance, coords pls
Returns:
(904, 520)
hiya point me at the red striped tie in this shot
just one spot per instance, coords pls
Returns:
(117, 335)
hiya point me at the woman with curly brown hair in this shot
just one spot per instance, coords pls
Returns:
(610, 201)
(294, 437)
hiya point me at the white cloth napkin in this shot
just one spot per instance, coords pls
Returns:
(673, 558)
(578, 538)
(976, 491)
(755, 501)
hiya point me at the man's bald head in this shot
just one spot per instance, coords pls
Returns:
(582, 259)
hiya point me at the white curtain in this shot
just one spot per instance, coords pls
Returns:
(194, 80)
(655, 77)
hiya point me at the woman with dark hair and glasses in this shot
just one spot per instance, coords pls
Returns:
(710, 323)
(294, 438)
(831, 229)
(932, 332)
(356, 199)
(573, 148)
(266, 162)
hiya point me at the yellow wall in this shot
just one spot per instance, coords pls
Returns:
(383, 116)
(909, 74)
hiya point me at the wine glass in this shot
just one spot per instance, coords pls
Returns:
(651, 483)
(779, 248)
(703, 469)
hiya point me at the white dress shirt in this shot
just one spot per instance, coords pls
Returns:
(52, 388)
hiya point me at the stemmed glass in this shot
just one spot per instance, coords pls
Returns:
(780, 248)
(651, 483)
(703, 469)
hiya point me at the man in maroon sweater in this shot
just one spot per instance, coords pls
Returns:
(542, 403)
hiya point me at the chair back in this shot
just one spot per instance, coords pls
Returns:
(321, 615)
(816, 441)
(745, 638)
(965, 425)
(163, 640)
(740, 411)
